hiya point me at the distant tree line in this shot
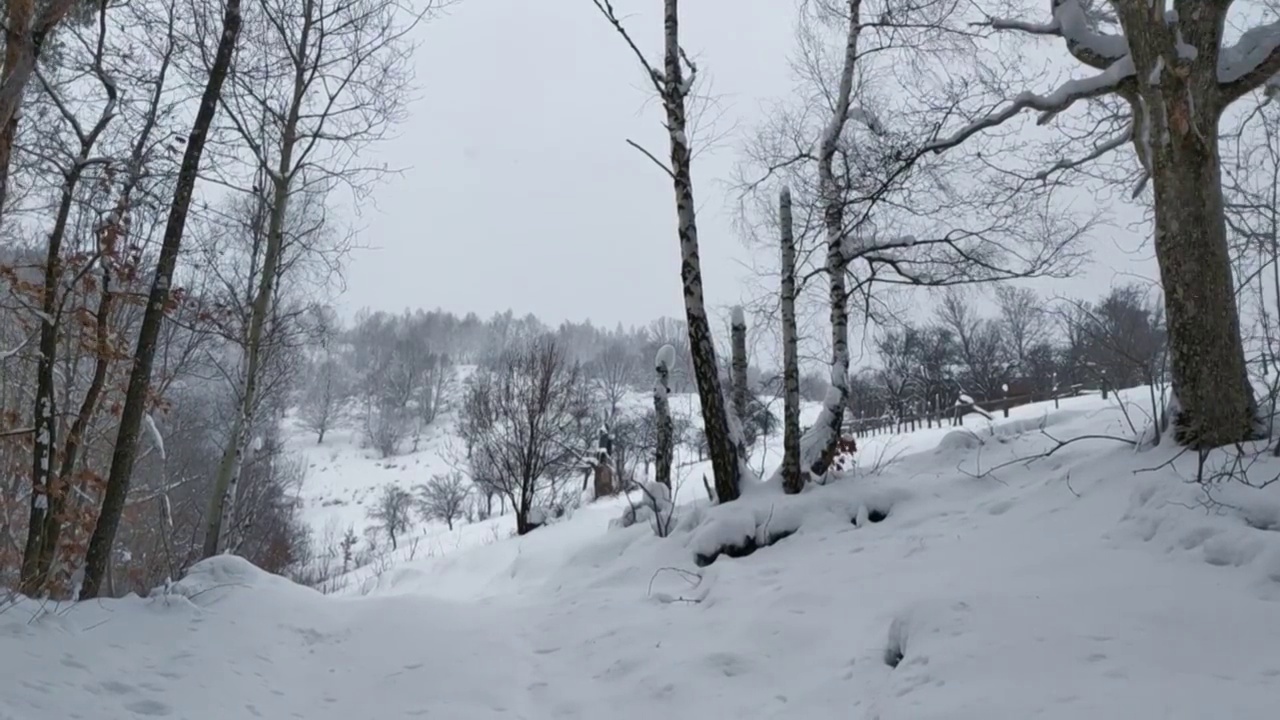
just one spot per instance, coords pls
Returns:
(1027, 349)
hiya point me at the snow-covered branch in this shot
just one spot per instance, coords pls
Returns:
(1098, 151)
(1074, 22)
(1049, 105)
(1252, 62)
(6, 354)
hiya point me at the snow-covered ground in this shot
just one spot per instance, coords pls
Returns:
(958, 581)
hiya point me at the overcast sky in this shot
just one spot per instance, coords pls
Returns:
(521, 191)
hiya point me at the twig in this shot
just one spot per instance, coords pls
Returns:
(686, 574)
(651, 156)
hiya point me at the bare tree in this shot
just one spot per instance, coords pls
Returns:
(1023, 324)
(985, 366)
(47, 488)
(393, 512)
(324, 395)
(1177, 74)
(825, 433)
(515, 419)
(674, 84)
(443, 497)
(131, 416)
(872, 215)
(324, 80)
(612, 373)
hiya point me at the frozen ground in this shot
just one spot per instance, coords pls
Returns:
(1095, 582)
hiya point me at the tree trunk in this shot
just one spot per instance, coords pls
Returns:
(47, 488)
(56, 517)
(44, 486)
(24, 34)
(738, 339)
(1210, 378)
(603, 486)
(825, 434)
(725, 464)
(125, 454)
(665, 452)
(222, 503)
(793, 477)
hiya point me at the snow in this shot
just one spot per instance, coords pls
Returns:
(979, 580)
(666, 357)
(738, 317)
(1154, 78)
(1254, 47)
(1071, 19)
(157, 440)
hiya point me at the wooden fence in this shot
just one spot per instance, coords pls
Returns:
(948, 416)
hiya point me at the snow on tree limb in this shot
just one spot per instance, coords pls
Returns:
(1074, 22)
(157, 441)
(666, 358)
(1252, 62)
(1049, 105)
(1112, 144)
(6, 354)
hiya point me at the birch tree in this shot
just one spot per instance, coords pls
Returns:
(1172, 65)
(877, 214)
(664, 430)
(674, 83)
(793, 476)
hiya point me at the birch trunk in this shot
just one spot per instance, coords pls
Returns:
(725, 464)
(823, 437)
(665, 451)
(738, 341)
(793, 477)
(97, 560)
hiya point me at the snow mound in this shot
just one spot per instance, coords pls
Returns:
(212, 579)
(761, 519)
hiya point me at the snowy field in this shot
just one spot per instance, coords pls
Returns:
(970, 577)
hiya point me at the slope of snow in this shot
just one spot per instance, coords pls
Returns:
(977, 579)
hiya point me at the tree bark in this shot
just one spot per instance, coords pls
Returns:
(125, 454)
(793, 476)
(665, 450)
(48, 489)
(24, 36)
(1177, 103)
(830, 423)
(725, 464)
(219, 535)
(1210, 377)
(738, 340)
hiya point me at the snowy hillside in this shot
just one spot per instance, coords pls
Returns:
(973, 576)
(344, 477)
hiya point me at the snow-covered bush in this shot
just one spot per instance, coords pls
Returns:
(653, 506)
